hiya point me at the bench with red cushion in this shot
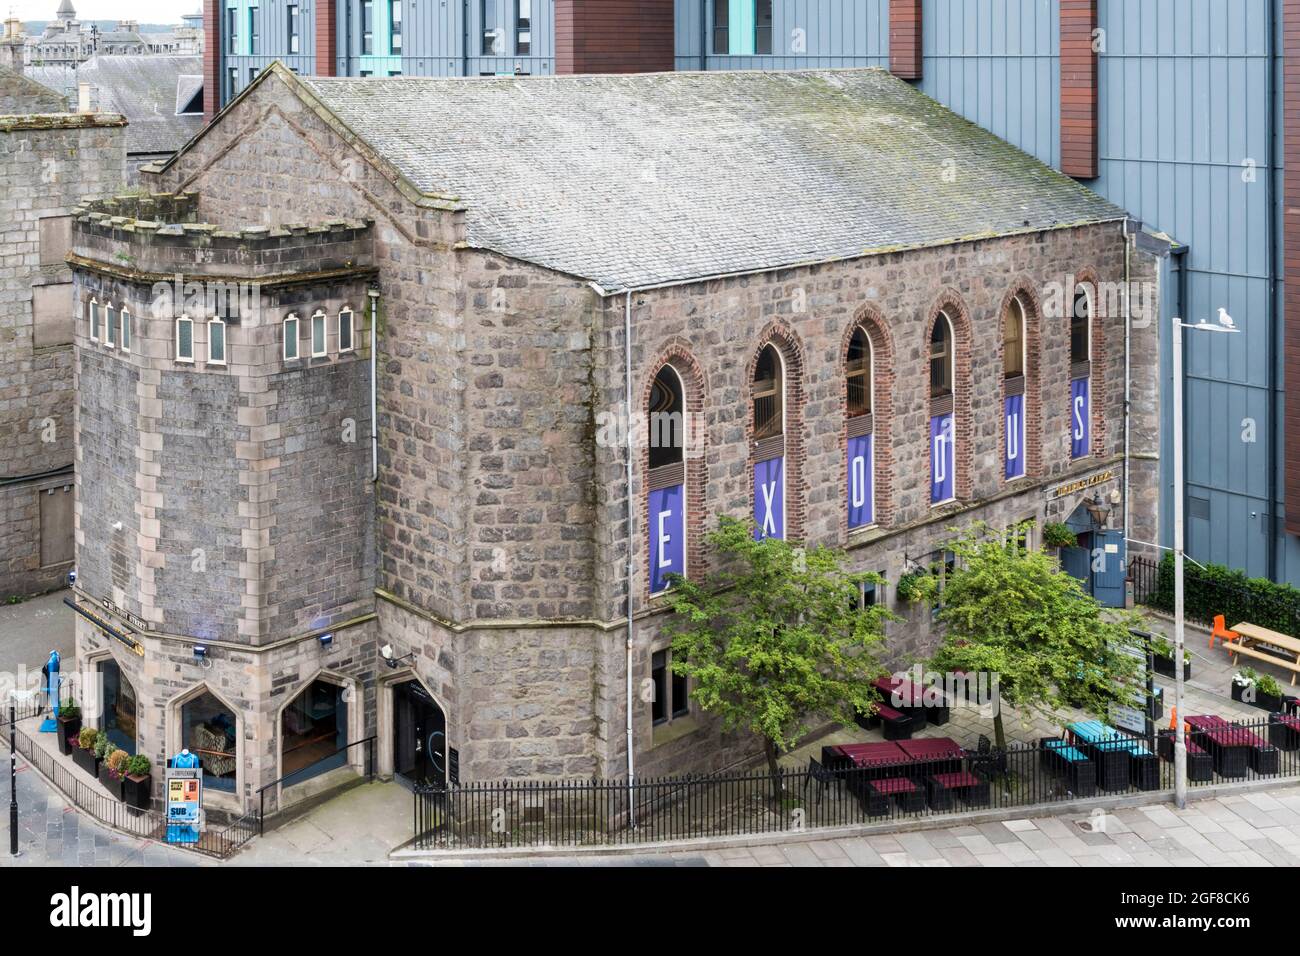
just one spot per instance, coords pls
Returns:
(942, 787)
(879, 792)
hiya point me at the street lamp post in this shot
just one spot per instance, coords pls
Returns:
(1180, 734)
(13, 779)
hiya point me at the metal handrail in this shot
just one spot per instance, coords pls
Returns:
(370, 774)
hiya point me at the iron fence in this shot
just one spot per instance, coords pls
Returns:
(1206, 593)
(86, 794)
(833, 793)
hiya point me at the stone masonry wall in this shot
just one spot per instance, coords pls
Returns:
(47, 163)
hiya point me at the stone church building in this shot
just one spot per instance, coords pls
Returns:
(870, 320)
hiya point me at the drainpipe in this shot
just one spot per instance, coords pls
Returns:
(704, 35)
(374, 365)
(627, 399)
(1128, 364)
(1274, 432)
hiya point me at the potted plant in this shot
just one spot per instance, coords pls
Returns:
(138, 788)
(68, 718)
(1262, 691)
(916, 586)
(1162, 650)
(112, 771)
(84, 754)
(1057, 535)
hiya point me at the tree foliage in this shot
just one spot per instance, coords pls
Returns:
(775, 637)
(1014, 613)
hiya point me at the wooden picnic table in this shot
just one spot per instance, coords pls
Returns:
(1253, 638)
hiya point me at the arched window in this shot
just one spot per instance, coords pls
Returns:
(769, 395)
(290, 337)
(768, 388)
(1080, 372)
(943, 437)
(666, 423)
(859, 384)
(1013, 389)
(94, 320)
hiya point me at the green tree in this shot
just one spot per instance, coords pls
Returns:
(1013, 613)
(775, 637)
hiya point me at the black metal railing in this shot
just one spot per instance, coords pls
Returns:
(575, 813)
(87, 795)
(1208, 592)
(260, 816)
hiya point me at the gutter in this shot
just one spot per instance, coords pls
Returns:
(373, 292)
(1128, 367)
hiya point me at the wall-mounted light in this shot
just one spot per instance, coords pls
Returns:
(326, 640)
(200, 653)
(386, 652)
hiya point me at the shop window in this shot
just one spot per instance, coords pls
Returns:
(118, 718)
(314, 729)
(209, 730)
(672, 694)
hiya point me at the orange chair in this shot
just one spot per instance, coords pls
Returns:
(1221, 631)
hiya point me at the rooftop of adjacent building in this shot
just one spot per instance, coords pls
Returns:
(639, 180)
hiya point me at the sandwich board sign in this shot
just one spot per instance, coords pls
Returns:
(184, 789)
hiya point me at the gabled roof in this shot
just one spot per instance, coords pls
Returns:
(29, 95)
(640, 180)
(148, 91)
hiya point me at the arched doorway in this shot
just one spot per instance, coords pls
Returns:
(419, 735)
(118, 718)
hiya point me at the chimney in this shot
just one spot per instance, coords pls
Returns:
(12, 45)
(83, 98)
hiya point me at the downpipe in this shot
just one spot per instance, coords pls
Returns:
(627, 405)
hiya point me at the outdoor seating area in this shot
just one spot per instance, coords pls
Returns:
(1122, 761)
(1259, 643)
(911, 773)
(905, 708)
(1235, 749)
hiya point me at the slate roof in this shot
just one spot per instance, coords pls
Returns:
(146, 90)
(638, 180)
(30, 95)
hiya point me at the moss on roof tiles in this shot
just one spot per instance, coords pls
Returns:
(638, 180)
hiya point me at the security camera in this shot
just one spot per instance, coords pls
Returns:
(386, 652)
(72, 578)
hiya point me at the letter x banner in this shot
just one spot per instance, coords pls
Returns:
(769, 499)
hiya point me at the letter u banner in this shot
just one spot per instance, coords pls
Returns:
(769, 499)
(667, 535)
(1079, 437)
(860, 490)
(1015, 435)
(943, 459)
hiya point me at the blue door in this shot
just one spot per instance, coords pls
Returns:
(1076, 563)
(1108, 568)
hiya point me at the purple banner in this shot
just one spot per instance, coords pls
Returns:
(769, 499)
(1079, 418)
(943, 459)
(861, 505)
(1015, 434)
(667, 535)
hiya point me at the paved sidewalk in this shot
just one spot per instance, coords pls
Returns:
(1257, 829)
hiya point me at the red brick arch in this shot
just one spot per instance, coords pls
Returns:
(792, 353)
(677, 354)
(1024, 290)
(871, 321)
(950, 303)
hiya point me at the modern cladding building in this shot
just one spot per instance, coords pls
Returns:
(1169, 109)
(447, 38)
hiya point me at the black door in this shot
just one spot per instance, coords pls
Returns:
(420, 735)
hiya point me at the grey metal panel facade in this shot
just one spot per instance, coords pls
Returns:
(1184, 146)
(439, 38)
(806, 34)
